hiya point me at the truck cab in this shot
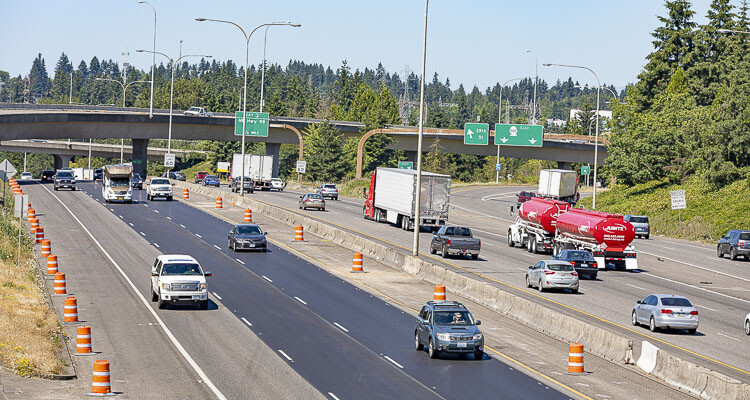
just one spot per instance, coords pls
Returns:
(178, 279)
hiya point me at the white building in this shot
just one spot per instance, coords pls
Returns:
(602, 113)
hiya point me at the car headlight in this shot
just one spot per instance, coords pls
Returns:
(165, 286)
(203, 286)
(477, 336)
(443, 336)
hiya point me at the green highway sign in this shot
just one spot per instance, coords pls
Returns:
(406, 164)
(256, 125)
(519, 135)
(585, 170)
(475, 133)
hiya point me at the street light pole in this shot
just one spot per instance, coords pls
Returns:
(153, 62)
(124, 89)
(417, 211)
(70, 98)
(596, 138)
(536, 78)
(244, 101)
(500, 119)
(263, 71)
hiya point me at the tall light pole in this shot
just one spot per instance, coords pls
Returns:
(153, 61)
(500, 120)
(417, 211)
(70, 98)
(263, 71)
(244, 100)
(124, 88)
(536, 78)
(171, 90)
(596, 138)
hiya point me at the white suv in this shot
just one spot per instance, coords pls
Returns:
(178, 279)
(159, 187)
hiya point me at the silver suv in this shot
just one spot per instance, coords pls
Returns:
(448, 327)
(640, 225)
(329, 190)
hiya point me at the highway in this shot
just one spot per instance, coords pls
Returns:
(717, 287)
(341, 340)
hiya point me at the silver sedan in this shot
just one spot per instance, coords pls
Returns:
(666, 311)
(747, 324)
(553, 274)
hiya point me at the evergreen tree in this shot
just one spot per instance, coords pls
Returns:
(323, 145)
(38, 78)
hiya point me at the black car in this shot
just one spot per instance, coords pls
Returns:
(582, 260)
(247, 237)
(249, 185)
(48, 175)
(98, 174)
(137, 181)
(735, 243)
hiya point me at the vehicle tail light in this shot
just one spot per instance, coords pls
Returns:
(480, 244)
(666, 311)
(448, 243)
(740, 243)
(595, 264)
(307, 201)
(549, 272)
(574, 273)
(573, 263)
(693, 312)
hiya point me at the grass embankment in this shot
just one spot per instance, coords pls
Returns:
(709, 214)
(29, 329)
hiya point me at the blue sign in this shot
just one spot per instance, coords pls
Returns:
(498, 167)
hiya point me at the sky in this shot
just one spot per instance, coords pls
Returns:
(479, 42)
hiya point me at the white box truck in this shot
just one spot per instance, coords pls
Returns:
(392, 198)
(117, 183)
(558, 184)
(258, 167)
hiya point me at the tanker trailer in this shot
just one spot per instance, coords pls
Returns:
(607, 236)
(535, 224)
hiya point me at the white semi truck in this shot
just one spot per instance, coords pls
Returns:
(258, 167)
(117, 183)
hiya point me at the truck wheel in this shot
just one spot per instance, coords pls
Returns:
(533, 245)
(162, 305)
(719, 253)
(528, 244)
(154, 296)
(377, 216)
(444, 252)
(432, 249)
(511, 243)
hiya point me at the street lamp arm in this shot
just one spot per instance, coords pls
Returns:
(111, 80)
(192, 55)
(154, 52)
(247, 38)
(126, 86)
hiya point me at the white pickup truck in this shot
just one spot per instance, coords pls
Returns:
(178, 279)
(197, 112)
(159, 187)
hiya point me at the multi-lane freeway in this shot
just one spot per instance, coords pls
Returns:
(338, 338)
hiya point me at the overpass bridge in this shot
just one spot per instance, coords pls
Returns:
(42, 121)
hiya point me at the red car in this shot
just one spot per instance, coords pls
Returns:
(200, 175)
(525, 196)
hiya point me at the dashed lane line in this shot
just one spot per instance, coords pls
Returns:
(300, 300)
(394, 362)
(246, 321)
(240, 261)
(267, 278)
(285, 355)
(216, 295)
(341, 327)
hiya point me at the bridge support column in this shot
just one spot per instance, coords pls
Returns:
(564, 165)
(62, 160)
(411, 155)
(274, 149)
(140, 156)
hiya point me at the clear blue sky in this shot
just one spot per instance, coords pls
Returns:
(477, 42)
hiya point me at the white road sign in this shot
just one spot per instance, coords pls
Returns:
(8, 168)
(169, 160)
(301, 167)
(21, 201)
(678, 199)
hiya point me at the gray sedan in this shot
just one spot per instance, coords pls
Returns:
(312, 200)
(666, 311)
(247, 237)
(552, 274)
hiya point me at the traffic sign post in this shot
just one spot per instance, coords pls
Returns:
(519, 135)
(679, 202)
(169, 160)
(477, 134)
(256, 125)
(301, 167)
(21, 202)
(406, 165)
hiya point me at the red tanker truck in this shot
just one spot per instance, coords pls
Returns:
(536, 224)
(607, 236)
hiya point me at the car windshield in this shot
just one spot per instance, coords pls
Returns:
(330, 186)
(211, 177)
(577, 254)
(159, 181)
(453, 318)
(639, 220)
(745, 236)
(194, 109)
(136, 175)
(119, 182)
(65, 174)
(26, 174)
(248, 230)
(675, 302)
(314, 196)
(275, 180)
(560, 267)
(181, 269)
(458, 231)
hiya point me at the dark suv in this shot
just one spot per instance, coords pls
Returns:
(735, 243)
(249, 185)
(448, 327)
(48, 175)
(65, 179)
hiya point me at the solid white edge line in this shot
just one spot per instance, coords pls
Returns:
(267, 278)
(394, 362)
(246, 321)
(341, 327)
(216, 295)
(285, 356)
(145, 302)
(300, 300)
(333, 396)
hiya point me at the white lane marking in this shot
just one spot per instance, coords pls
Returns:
(707, 308)
(240, 261)
(142, 234)
(333, 396)
(341, 327)
(633, 286)
(112, 209)
(145, 302)
(199, 236)
(156, 244)
(394, 362)
(697, 287)
(182, 226)
(217, 296)
(489, 233)
(499, 196)
(727, 336)
(217, 247)
(121, 217)
(169, 218)
(285, 356)
(268, 279)
(300, 300)
(522, 269)
(157, 211)
(246, 321)
(667, 248)
(130, 223)
(698, 266)
(483, 214)
(529, 255)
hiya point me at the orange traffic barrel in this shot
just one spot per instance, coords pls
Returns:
(298, 233)
(46, 247)
(575, 358)
(100, 382)
(186, 194)
(70, 310)
(248, 215)
(39, 234)
(34, 224)
(51, 264)
(60, 283)
(83, 339)
(219, 203)
(30, 215)
(28, 207)
(357, 263)
(439, 294)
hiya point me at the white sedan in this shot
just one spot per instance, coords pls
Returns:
(26, 176)
(277, 184)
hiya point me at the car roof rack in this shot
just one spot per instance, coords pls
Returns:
(446, 304)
